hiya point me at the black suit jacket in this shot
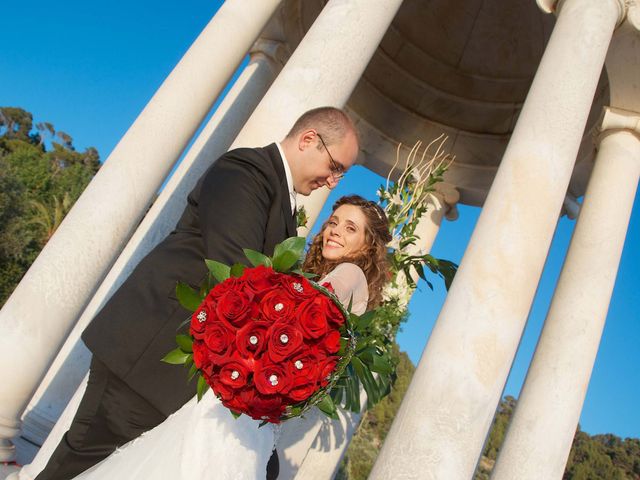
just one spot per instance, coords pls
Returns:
(242, 201)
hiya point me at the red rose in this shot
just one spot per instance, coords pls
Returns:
(204, 315)
(305, 363)
(198, 320)
(236, 402)
(277, 305)
(328, 286)
(218, 337)
(270, 378)
(201, 355)
(236, 307)
(304, 370)
(298, 286)
(260, 279)
(326, 367)
(235, 371)
(334, 314)
(251, 339)
(284, 340)
(223, 287)
(302, 388)
(222, 391)
(312, 317)
(332, 341)
(263, 407)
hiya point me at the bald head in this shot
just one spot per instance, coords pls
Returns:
(332, 123)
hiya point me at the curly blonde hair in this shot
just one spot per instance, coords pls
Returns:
(373, 260)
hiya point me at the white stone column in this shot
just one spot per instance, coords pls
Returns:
(444, 418)
(71, 364)
(541, 432)
(38, 316)
(443, 203)
(325, 67)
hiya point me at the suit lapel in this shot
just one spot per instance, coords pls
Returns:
(277, 160)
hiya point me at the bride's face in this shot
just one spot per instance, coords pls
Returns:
(344, 234)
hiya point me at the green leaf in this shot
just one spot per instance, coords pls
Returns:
(207, 285)
(344, 342)
(362, 322)
(185, 342)
(294, 244)
(186, 321)
(368, 382)
(257, 258)
(192, 373)
(406, 242)
(407, 274)
(237, 415)
(420, 271)
(220, 271)
(327, 406)
(188, 297)
(336, 395)
(176, 357)
(349, 305)
(352, 391)
(189, 361)
(282, 263)
(377, 362)
(287, 253)
(305, 274)
(236, 270)
(448, 271)
(384, 383)
(202, 387)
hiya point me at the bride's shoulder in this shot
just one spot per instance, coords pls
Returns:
(347, 268)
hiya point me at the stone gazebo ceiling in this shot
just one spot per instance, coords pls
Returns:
(458, 68)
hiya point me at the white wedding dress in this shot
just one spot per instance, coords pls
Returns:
(202, 440)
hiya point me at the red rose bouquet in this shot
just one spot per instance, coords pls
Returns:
(272, 344)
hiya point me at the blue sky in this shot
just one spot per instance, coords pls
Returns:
(90, 68)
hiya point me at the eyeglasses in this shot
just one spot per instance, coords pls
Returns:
(337, 170)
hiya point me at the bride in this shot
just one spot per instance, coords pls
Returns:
(202, 439)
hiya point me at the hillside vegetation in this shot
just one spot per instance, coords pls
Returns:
(37, 189)
(597, 457)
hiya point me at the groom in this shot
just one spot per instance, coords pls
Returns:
(246, 199)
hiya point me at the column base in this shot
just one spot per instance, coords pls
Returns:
(7, 451)
(8, 430)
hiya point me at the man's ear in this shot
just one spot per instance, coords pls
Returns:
(306, 139)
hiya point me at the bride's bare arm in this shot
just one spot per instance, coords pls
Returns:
(349, 284)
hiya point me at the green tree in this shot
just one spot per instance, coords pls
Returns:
(37, 188)
(599, 457)
(15, 122)
(49, 217)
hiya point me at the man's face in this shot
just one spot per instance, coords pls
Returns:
(322, 164)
